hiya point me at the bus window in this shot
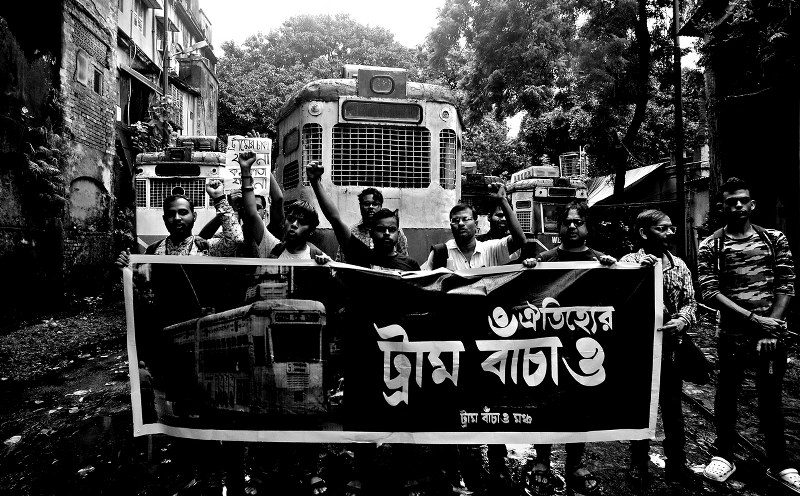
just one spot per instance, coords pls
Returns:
(312, 144)
(381, 156)
(260, 350)
(295, 343)
(447, 159)
(550, 217)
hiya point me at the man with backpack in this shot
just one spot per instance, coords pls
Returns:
(747, 273)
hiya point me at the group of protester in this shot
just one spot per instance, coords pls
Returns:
(743, 270)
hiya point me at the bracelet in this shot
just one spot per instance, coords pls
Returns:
(248, 188)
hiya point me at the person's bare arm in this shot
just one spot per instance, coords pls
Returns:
(314, 173)
(498, 191)
(276, 216)
(252, 224)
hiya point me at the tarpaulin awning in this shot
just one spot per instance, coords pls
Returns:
(141, 78)
(603, 187)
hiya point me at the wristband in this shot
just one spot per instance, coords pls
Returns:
(248, 188)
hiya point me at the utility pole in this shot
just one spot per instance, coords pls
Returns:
(679, 171)
(165, 64)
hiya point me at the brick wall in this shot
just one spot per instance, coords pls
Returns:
(90, 105)
(90, 99)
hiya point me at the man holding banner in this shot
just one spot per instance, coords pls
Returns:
(573, 232)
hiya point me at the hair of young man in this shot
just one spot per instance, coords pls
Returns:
(305, 211)
(376, 195)
(460, 207)
(647, 219)
(581, 207)
(171, 198)
(733, 184)
(385, 213)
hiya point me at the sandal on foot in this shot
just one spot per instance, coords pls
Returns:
(540, 483)
(790, 478)
(583, 485)
(719, 469)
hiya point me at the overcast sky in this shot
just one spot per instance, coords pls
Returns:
(409, 20)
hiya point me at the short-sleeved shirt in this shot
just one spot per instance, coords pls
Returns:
(357, 253)
(487, 254)
(559, 255)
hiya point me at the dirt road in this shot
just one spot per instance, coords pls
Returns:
(65, 420)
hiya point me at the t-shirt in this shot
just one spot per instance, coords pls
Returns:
(357, 253)
(559, 255)
(751, 276)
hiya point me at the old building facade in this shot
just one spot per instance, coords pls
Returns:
(72, 91)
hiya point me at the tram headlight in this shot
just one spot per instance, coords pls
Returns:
(315, 108)
(540, 192)
(444, 114)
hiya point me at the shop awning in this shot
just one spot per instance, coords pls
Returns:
(140, 77)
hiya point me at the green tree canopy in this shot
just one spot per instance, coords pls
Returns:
(257, 77)
(585, 72)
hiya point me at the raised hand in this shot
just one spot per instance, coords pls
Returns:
(314, 171)
(246, 160)
(497, 190)
(215, 188)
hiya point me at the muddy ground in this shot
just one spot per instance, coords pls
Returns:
(66, 423)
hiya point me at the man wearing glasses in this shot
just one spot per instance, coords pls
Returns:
(464, 251)
(370, 201)
(747, 273)
(573, 231)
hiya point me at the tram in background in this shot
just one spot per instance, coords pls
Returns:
(536, 193)
(265, 357)
(375, 128)
(184, 169)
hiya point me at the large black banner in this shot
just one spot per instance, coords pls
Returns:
(248, 349)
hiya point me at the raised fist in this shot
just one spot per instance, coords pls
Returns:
(497, 190)
(314, 171)
(215, 188)
(246, 159)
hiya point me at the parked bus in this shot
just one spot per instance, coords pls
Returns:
(536, 193)
(375, 128)
(184, 169)
(265, 357)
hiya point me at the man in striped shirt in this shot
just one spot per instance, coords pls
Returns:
(747, 273)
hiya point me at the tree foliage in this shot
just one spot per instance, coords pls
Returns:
(257, 77)
(585, 72)
(487, 143)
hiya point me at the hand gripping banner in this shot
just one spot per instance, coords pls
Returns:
(254, 350)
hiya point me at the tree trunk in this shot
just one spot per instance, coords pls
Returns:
(643, 44)
(715, 140)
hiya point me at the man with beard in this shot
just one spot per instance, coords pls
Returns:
(747, 273)
(370, 201)
(384, 232)
(465, 251)
(498, 227)
(573, 232)
(654, 230)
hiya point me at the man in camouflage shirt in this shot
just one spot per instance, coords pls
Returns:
(747, 273)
